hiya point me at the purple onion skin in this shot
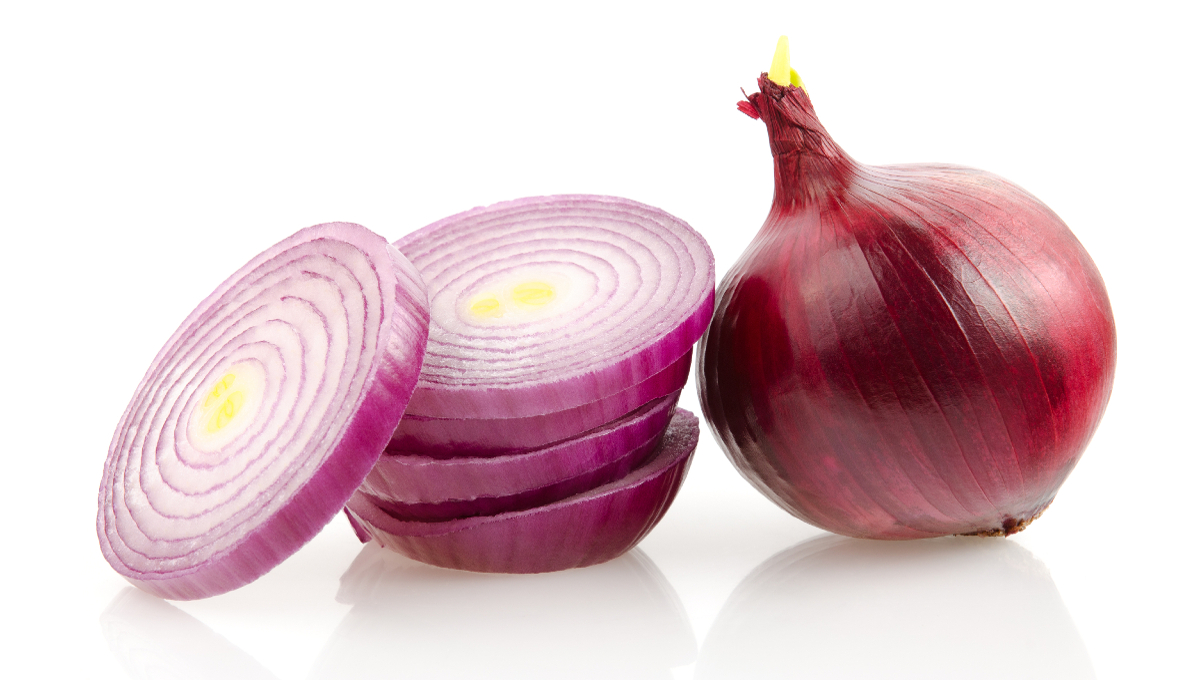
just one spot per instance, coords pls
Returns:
(904, 351)
(590, 528)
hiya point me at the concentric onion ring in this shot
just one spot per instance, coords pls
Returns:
(262, 413)
(543, 304)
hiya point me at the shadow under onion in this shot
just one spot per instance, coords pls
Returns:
(942, 608)
(617, 619)
(153, 639)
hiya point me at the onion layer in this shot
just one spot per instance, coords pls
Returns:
(423, 480)
(543, 304)
(904, 351)
(588, 528)
(262, 413)
(478, 437)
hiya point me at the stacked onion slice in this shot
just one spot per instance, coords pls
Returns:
(560, 336)
(263, 412)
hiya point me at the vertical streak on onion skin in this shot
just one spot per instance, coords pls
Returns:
(903, 351)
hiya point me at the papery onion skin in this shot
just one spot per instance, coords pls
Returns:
(449, 438)
(904, 351)
(582, 530)
(323, 470)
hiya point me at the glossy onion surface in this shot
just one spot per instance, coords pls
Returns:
(904, 351)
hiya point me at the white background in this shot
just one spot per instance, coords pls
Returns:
(148, 150)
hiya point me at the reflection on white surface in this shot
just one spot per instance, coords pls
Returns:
(153, 639)
(834, 607)
(621, 619)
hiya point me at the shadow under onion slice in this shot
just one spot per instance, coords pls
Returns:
(620, 620)
(589, 528)
(152, 639)
(262, 413)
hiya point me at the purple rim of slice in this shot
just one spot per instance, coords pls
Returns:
(425, 489)
(484, 437)
(263, 413)
(589, 528)
(420, 479)
(530, 498)
(543, 304)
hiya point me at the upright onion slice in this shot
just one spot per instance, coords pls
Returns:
(585, 529)
(263, 413)
(417, 487)
(481, 437)
(543, 304)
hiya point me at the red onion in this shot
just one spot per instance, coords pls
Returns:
(903, 351)
(544, 304)
(584, 529)
(262, 413)
(455, 437)
(524, 479)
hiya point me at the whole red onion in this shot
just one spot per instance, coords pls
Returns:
(903, 351)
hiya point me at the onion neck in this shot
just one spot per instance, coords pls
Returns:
(810, 167)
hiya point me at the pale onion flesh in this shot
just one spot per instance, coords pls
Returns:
(544, 304)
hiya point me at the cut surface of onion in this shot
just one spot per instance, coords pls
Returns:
(262, 413)
(589, 528)
(543, 304)
(406, 483)
(478, 437)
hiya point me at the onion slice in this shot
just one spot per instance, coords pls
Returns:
(543, 304)
(478, 437)
(417, 487)
(585, 529)
(262, 413)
